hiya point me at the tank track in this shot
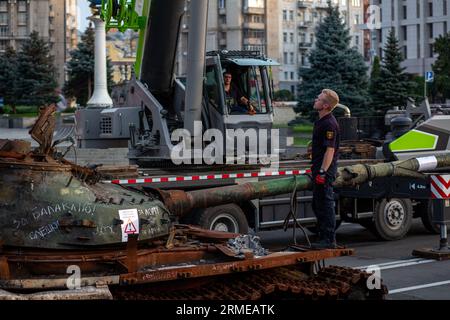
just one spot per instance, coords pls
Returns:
(330, 283)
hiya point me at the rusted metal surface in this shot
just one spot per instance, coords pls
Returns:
(180, 202)
(43, 129)
(17, 146)
(55, 214)
(284, 282)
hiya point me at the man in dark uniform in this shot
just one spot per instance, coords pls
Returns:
(325, 147)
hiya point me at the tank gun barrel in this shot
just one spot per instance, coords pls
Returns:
(180, 202)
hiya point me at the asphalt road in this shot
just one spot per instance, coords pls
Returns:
(407, 277)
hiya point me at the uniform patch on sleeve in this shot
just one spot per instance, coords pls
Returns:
(330, 135)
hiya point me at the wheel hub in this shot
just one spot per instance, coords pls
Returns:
(225, 223)
(394, 214)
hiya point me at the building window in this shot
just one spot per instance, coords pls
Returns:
(405, 52)
(430, 9)
(430, 46)
(430, 30)
(22, 18)
(285, 58)
(357, 41)
(291, 15)
(3, 6)
(22, 6)
(3, 44)
(356, 3)
(445, 27)
(418, 8)
(405, 12)
(284, 36)
(286, 74)
(292, 58)
(3, 18)
(444, 9)
(356, 18)
(22, 31)
(392, 11)
(221, 4)
(418, 41)
(284, 15)
(292, 37)
(405, 33)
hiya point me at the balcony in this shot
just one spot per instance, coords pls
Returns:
(302, 4)
(305, 45)
(320, 5)
(304, 24)
(5, 32)
(254, 41)
(254, 10)
(254, 25)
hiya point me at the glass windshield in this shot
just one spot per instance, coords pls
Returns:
(245, 91)
(257, 92)
(212, 87)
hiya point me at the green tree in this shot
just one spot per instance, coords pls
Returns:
(393, 86)
(336, 66)
(35, 83)
(374, 75)
(283, 95)
(81, 69)
(441, 67)
(8, 70)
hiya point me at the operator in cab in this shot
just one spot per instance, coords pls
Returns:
(234, 99)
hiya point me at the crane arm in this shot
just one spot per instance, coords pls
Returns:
(128, 15)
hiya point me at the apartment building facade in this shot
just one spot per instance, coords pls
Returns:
(237, 25)
(417, 23)
(299, 20)
(55, 20)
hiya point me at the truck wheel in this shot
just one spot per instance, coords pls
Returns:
(393, 218)
(226, 218)
(425, 209)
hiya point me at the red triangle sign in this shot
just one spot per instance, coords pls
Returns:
(130, 228)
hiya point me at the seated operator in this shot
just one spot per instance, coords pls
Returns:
(234, 99)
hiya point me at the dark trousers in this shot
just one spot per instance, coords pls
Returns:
(323, 207)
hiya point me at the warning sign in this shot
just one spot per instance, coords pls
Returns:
(130, 225)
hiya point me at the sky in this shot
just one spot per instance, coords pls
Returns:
(83, 13)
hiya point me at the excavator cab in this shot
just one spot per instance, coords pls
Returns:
(250, 72)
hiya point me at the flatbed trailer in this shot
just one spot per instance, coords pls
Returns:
(386, 206)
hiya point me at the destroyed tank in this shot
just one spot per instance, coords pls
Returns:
(65, 234)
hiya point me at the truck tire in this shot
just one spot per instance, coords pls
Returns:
(392, 218)
(226, 218)
(425, 210)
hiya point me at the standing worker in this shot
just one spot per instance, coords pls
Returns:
(325, 149)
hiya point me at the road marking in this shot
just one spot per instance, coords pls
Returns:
(396, 264)
(423, 286)
(389, 263)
